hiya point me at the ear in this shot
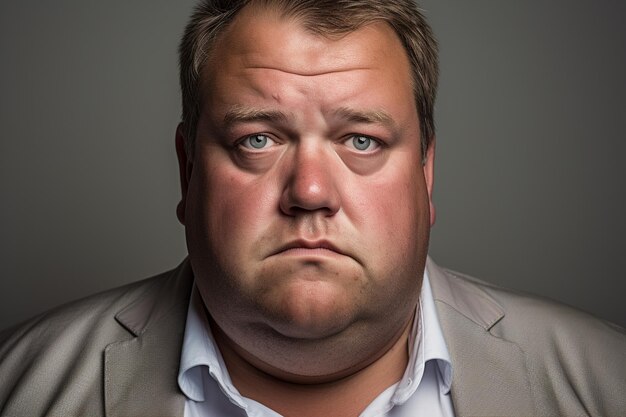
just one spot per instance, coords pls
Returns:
(429, 177)
(184, 169)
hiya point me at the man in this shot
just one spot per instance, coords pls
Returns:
(306, 157)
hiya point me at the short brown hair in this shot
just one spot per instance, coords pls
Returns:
(324, 17)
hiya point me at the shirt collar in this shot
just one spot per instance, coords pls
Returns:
(200, 351)
(426, 343)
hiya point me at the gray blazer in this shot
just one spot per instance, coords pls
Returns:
(117, 353)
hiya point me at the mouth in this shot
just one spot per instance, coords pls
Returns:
(309, 248)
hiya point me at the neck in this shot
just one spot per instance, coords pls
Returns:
(344, 397)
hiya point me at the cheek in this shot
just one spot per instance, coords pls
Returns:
(392, 214)
(232, 208)
(395, 206)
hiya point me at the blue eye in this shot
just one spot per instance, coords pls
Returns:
(363, 143)
(256, 142)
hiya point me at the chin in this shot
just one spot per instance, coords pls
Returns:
(310, 309)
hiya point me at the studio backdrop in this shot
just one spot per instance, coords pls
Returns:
(531, 135)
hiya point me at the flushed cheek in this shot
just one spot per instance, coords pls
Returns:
(387, 199)
(235, 209)
(392, 218)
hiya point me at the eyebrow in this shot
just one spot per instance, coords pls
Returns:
(367, 117)
(242, 114)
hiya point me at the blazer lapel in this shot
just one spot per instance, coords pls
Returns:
(489, 373)
(141, 372)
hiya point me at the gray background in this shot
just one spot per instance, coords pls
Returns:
(529, 187)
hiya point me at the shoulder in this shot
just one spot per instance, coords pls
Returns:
(524, 314)
(60, 353)
(571, 357)
(76, 317)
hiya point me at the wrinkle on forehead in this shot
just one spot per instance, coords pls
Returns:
(264, 39)
(306, 58)
(312, 73)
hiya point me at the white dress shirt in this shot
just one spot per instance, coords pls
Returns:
(424, 389)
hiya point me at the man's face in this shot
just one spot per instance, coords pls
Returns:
(306, 204)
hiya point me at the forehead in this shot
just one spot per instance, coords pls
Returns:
(266, 61)
(263, 37)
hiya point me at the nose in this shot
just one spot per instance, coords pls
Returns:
(311, 184)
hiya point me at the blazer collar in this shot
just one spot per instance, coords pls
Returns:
(489, 373)
(140, 372)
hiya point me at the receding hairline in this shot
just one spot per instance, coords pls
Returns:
(274, 8)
